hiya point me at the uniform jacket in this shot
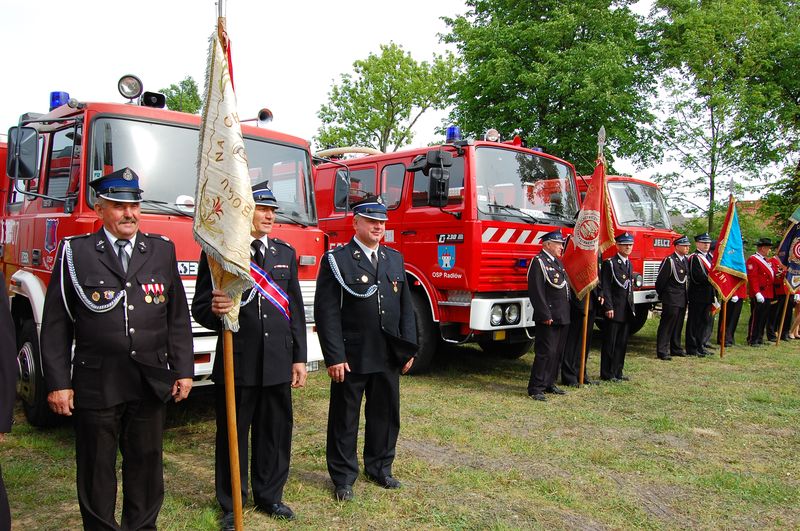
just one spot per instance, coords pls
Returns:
(778, 286)
(267, 344)
(760, 276)
(548, 289)
(353, 329)
(672, 280)
(8, 362)
(115, 363)
(701, 291)
(617, 283)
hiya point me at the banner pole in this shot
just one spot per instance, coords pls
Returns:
(779, 332)
(233, 439)
(724, 330)
(583, 339)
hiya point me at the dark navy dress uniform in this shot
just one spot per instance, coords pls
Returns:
(264, 350)
(571, 360)
(671, 286)
(357, 330)
(133, 340)
(617, 282)
(549, 292)
(701, 298)
(8, 387)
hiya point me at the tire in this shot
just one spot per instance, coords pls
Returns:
(31, 387)
(642, 312)
(426, 335)
(502, 349)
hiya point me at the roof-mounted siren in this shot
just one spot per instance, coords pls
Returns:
(265, 116)
(492, 135)
(57, 99)
(453, 134)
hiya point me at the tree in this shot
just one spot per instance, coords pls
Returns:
(379, 103)
(554, 71)
(184, 96)
(715, 117)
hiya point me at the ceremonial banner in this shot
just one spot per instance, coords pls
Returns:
(223, 198)
(728, 269)
(593, 234)
(789, 255)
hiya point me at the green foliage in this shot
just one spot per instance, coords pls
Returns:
(554, 72)
(782, 199)
(379, 103)
(184, 96)
(753, 226)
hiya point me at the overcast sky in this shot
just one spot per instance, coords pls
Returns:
(285, 54)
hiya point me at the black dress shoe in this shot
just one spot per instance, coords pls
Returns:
(665, 357)
(785, 338)
(680, 354)
(587, 381)
(555, 390)
(343, 492)
(226, 522)
(387, 482)
(623, 378)
(277, 510)
(755, 345)
(538, 396)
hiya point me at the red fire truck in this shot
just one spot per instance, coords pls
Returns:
(51, 159)
(638, 207)
(468, 217)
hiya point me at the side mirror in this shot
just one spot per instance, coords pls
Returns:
(439, 186)
(23, 145)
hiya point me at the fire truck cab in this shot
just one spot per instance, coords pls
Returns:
(468, 217)
(638, 207)
(52, 158)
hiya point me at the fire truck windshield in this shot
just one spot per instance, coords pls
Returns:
(638, 205)
(165, 157)
(525, 185)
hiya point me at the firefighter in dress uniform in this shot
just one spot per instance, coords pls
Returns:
(8, 389)
(368, 333)
(617, 280)
(549, 292)
(702, 297)
(778, 301)
(118, 295)
(269, 353)
(760, 279)
(671, 288)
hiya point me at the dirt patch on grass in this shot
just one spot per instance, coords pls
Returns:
(658, 501)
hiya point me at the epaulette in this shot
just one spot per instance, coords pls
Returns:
(76, 236)
(390, 249)
(151, 235)
(276, 240)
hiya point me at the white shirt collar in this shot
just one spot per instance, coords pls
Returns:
(113, 239)
(367, 250)
(549, 255)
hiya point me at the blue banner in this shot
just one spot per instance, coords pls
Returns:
(789, 255)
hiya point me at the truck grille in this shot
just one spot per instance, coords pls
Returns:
(650, 273)
(189, 287)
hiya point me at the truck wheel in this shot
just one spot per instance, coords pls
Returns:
(426, 334)
(642, 312)
(30, 386)
(502, 349)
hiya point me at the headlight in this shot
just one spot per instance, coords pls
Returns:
(496, 315)
(638, 281)
(130, 87)
(512, 313)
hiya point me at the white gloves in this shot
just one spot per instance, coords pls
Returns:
(759, 297)
(796, 298)
(735, 299)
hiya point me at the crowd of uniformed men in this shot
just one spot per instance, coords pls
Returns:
(117, 294)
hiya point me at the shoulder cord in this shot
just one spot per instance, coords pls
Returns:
(338, 276)
(624, 285)
(250, 297)
(675, 273)
(547, 278)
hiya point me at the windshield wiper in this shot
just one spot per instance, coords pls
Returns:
(515, 210)
(172, 208)
(292, 218)
(632, 221)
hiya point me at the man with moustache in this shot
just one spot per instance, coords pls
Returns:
(368, 333)
(616, 277)
(269, 361)
(118, 295)
(549, 293)
(671, 288)
(701, 297)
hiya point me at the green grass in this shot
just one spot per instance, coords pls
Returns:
(693, 443)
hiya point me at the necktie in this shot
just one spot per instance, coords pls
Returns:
(258, 253)
(374, 260)
(122, 254)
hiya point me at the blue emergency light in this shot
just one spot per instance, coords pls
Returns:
(522, 262)
(453, 134)
(57, 99)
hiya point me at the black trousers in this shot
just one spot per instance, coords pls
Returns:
(732, 312)
(136, 428)
(615, 345)
(381, 425)
(774, 319)
(759, 314)
(5, 512)
(571, 360)
(263, 415)
(548, 347)
(668, 338)
(697, 327)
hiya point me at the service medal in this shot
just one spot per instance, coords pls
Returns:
(624, 277)
(148, 299)
(364, 278)
(155, 299)
(108, 294)
(394, 286)
(95, 296)
(161, 298)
